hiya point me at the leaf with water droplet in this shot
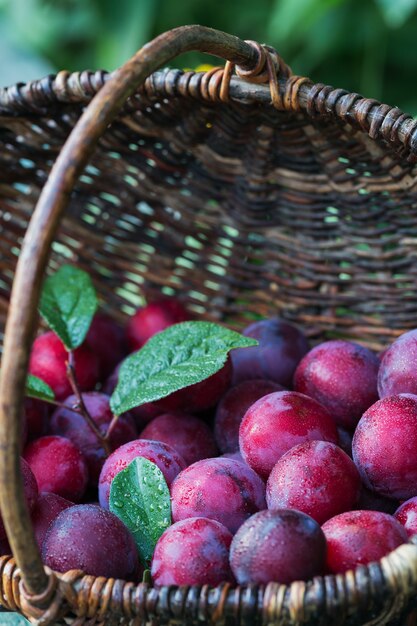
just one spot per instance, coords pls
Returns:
(142, 491)
(68, 303)
(182, 355)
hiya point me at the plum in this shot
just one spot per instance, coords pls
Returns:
(36, 414)
(47, 508)
(281, 347)
(67, 423)
(233, 455)
(385, 447)
(232, 408)
(30, 490)
(342, 376)
(225, 490)
(277, 546)
(48, 361)
(188, 435)
(397, 372)
(153, 318)
(166, 458)
(194, 551)
(106, 339)
(88, 538)
(360, 537)
(278, 422)
(406, 514)
(315, 477)
(59, 466)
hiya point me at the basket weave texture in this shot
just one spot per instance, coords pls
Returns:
(247, 192)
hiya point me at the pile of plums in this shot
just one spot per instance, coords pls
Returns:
(286, 464)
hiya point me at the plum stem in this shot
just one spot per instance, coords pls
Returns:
(81, 405)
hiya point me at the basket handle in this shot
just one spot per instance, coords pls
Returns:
(20, 327)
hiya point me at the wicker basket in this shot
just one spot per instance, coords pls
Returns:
(246, 191)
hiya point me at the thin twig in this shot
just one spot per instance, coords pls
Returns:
(81, 405)
(111, 427)
(61, 405)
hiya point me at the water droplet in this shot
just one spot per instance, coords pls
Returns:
(151, 507)
(145, 479)
(165, 521)
(118, 504)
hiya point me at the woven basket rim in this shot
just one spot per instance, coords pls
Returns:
(380, 121)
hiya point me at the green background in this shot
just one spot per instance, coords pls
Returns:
(369, 46)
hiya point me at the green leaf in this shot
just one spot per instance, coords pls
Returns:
(180, 356)
(68, 304)
(36, 388)
(139, 496)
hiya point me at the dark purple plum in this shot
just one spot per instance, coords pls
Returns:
(47, 508)
(36, 414)
(232, 408)
(277, 546)
(106, 339)
(30, 489)
(188, 435)
(88, 538)
(281, 347)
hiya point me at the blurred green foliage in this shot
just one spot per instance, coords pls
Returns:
(367, 46)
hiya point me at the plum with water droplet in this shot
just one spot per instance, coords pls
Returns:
(277, 546)
(59, 466)
(88, 538)
(342, 376)
(225, 490)
(315, 477)
(385, 447)
(194, 551)
(166, 458)
(360, 537)
(278, 422)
